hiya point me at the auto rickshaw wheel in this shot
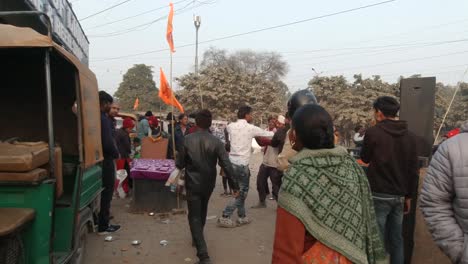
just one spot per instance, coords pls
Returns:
(80, 251)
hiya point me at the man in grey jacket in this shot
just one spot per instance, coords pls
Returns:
(444, 197)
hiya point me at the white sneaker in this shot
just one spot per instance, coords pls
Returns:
(226, 222)
(243, 221)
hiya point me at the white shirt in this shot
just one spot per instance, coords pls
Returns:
(358, 137)
(241, 134)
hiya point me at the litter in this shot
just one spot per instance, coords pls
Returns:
(109, 239)
(164, 243)
(211, 217)
(136, 242)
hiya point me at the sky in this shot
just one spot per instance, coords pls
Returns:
(402, 37)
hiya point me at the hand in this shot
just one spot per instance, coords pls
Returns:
(407, 208)
(235, 194)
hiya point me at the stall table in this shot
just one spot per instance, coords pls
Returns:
(149, 191)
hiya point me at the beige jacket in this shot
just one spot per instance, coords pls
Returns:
(286, 154)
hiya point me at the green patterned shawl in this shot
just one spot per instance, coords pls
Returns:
(329, 193)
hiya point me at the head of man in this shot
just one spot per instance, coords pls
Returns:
(128, 124)
(281, 121)
(312, 128)
(386, 107)
(271, 123)
(203, 119)
(153, 122)
(170, 117)
(105, 101)
(299, 99)
(148, 114)
(115, 109)
(245, 112)
(183, 120)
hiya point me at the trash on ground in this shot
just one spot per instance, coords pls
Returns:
(165, 221)
(261, 249)
(164, 243)
(136, 242)
(109, 239)
(124, 249)
(151, 214)
(188, 260)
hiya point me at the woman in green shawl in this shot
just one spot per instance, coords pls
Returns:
(325, 211)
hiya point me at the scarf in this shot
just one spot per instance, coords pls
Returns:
(329, 193)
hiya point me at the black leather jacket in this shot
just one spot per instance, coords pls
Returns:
(200, 154)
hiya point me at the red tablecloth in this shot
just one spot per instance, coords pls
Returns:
(152, 169)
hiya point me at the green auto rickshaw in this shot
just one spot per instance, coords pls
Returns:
(50, 149)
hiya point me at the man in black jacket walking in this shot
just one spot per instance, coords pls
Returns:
(199, 155)
(390, 149)
(110, 153)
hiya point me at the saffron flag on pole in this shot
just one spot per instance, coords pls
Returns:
(165, 93)
(169, 37)
(136, 104)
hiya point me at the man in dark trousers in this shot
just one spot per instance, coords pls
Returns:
(110, 153)
(390, 149)
(199, 155)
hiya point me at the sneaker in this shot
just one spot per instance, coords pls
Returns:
(260, 205)
(243, 221)
(109, 230)
(205, 261)
(226, 222)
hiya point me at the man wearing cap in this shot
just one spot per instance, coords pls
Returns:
(124, 145)
(269, 166)
(122, 138)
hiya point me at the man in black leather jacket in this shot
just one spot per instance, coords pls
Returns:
(200, 154)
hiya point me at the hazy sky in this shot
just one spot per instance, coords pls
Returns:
(399, 38)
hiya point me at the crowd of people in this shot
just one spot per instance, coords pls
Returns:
(331, 209)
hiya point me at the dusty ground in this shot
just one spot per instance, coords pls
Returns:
(250, 244)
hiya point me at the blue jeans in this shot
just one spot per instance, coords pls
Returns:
(243, 173)
(389, 213)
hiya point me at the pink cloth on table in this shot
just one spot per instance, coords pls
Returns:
(152, 169)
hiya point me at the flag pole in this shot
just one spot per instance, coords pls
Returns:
(172, 110)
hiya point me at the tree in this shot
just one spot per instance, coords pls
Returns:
(228, 81)
(350, 104)
(138, 83)
(459, 110)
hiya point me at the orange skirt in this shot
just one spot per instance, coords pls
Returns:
(321, 254)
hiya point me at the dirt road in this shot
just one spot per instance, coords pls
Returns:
(248, 244)
(251, 244)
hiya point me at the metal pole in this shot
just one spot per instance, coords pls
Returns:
(196, 49)
(172, 110)
(50, 123)
(197, 23)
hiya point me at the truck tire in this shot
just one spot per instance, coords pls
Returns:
(80, 252)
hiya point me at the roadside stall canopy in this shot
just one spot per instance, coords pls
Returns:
(90, 148)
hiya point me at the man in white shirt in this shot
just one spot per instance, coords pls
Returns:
(269, 167)
(241, 134)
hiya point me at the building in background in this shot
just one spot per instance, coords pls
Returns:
(66, 28)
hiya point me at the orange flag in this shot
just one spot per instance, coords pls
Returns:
(169, 37)
(165, 93)
(135, 105)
